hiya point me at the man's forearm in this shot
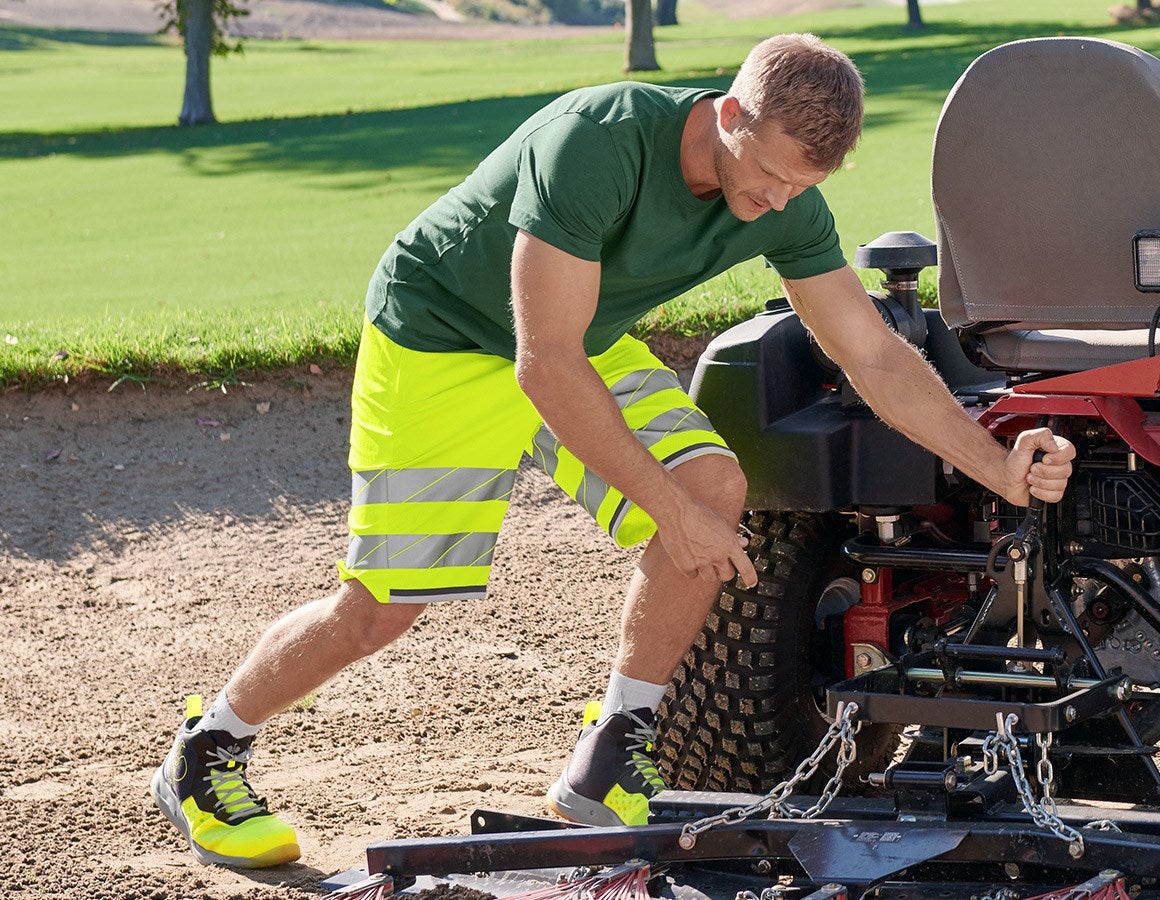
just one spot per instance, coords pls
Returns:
(909, 395)
(911, 398)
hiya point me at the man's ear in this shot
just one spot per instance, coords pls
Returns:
(729, 114)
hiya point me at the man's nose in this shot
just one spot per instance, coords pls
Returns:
(777, 197)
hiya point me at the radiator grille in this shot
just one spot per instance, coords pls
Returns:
(1126, 511)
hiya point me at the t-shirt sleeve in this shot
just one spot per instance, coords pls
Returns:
(571, 186)
(812, 247)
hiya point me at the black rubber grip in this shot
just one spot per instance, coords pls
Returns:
(1037, 505)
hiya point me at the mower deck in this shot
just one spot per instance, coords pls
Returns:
(867, 847)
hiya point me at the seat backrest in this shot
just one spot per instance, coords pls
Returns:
(1046, 163)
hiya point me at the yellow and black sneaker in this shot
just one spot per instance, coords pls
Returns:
(202, 789)
(611, 775)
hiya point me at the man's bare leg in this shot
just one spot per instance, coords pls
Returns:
(664, 609)
(202, 787)
(307, 647)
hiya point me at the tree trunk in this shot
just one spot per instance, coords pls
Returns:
(197, 107)
(639, 52)
(1144, 5)
(667, 12)
(914, 15)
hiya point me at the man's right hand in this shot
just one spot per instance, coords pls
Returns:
(702, 544)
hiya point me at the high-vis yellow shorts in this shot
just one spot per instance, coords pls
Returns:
(435, 442)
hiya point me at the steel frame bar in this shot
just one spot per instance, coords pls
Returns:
(880, 698)
(933, 559)
(957, 842)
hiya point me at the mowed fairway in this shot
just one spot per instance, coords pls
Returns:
(139, 248)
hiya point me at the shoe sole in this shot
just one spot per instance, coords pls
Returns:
(168, 803)
(567, 804)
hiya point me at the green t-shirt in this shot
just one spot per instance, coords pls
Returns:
(597, 174)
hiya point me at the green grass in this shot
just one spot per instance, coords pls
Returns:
(140, 248)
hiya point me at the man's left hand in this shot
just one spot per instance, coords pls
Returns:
(1046, 479)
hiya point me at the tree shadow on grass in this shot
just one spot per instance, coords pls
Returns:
(453, 137)
(447, 136)
(26, 38)
(450, 137)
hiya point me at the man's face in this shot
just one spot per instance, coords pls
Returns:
(759, 168)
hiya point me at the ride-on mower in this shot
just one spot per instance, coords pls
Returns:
(930, 693)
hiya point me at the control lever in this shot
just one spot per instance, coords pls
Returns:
(1024, 543)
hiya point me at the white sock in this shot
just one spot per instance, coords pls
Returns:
(630, 693)
(221, 717)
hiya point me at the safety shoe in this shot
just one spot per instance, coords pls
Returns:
(611, 775)
(202, 789)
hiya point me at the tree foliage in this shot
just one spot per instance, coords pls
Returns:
(176, 16)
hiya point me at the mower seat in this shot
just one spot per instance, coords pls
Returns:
(1046, 164)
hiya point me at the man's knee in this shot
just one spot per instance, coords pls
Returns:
(368, 624)
(732, 486)
(716, 480)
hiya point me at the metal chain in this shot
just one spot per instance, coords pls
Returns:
(1043, 812)
(1045, 772)
(847, 753)
(842, 733)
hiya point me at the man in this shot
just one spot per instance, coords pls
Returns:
(496, 324)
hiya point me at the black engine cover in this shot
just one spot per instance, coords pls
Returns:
(799, 445)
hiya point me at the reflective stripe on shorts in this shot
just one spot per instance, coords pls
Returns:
(460, 483)
(421, 551)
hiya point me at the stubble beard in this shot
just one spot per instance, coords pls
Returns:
(728, 184)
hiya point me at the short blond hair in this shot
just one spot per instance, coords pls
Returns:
(812, 90)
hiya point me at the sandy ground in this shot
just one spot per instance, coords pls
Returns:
(147, 539)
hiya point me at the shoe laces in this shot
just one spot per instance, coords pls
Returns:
(641, 740)
(227, 782)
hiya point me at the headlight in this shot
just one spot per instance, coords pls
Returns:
(1146, 249)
